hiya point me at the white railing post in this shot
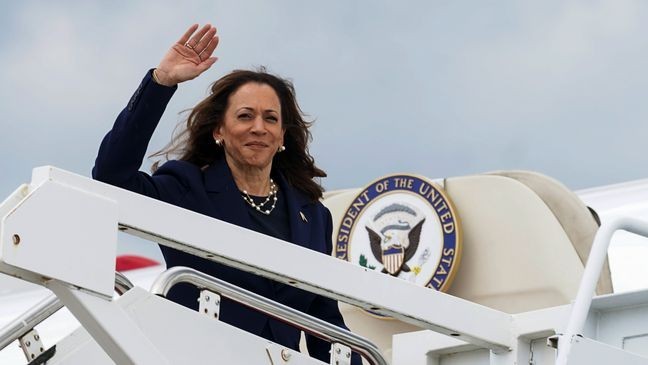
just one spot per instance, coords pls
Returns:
(591, 274)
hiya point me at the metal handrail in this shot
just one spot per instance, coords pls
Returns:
(302, 321)
(122, 284)
(43, 310)
(587, 287)
(28, 320)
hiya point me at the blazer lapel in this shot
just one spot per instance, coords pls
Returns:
(298, 215)
(224, 195)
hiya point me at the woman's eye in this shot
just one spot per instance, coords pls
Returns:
(245, 116)
(272, 119)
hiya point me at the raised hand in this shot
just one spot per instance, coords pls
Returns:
(190, 56)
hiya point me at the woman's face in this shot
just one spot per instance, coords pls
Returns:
(252, 127)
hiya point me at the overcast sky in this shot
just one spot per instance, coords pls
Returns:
(438, 88)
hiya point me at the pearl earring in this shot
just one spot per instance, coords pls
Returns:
(218, 142)
(281, 148)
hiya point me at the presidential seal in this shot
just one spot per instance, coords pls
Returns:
(404, 226)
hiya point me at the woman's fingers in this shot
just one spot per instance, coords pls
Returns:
(187, 34)
(195, 39)
(207, 63)
(211, 46)
(204, 41)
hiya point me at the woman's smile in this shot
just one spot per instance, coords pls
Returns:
(256, 145)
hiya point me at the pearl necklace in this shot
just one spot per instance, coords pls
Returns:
(260, 207)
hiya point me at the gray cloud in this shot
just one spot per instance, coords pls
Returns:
(440, 89)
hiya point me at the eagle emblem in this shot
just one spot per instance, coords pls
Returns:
(395, 254)
(397, 241)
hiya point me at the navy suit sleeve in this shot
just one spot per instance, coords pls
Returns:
(123, 149)
(326, 309)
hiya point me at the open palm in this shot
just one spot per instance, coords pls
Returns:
(190, 56)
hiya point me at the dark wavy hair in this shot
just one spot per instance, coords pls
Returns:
(193, 140)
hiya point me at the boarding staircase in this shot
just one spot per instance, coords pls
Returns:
(59, 212)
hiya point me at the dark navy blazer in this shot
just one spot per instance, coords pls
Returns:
(211, 191)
